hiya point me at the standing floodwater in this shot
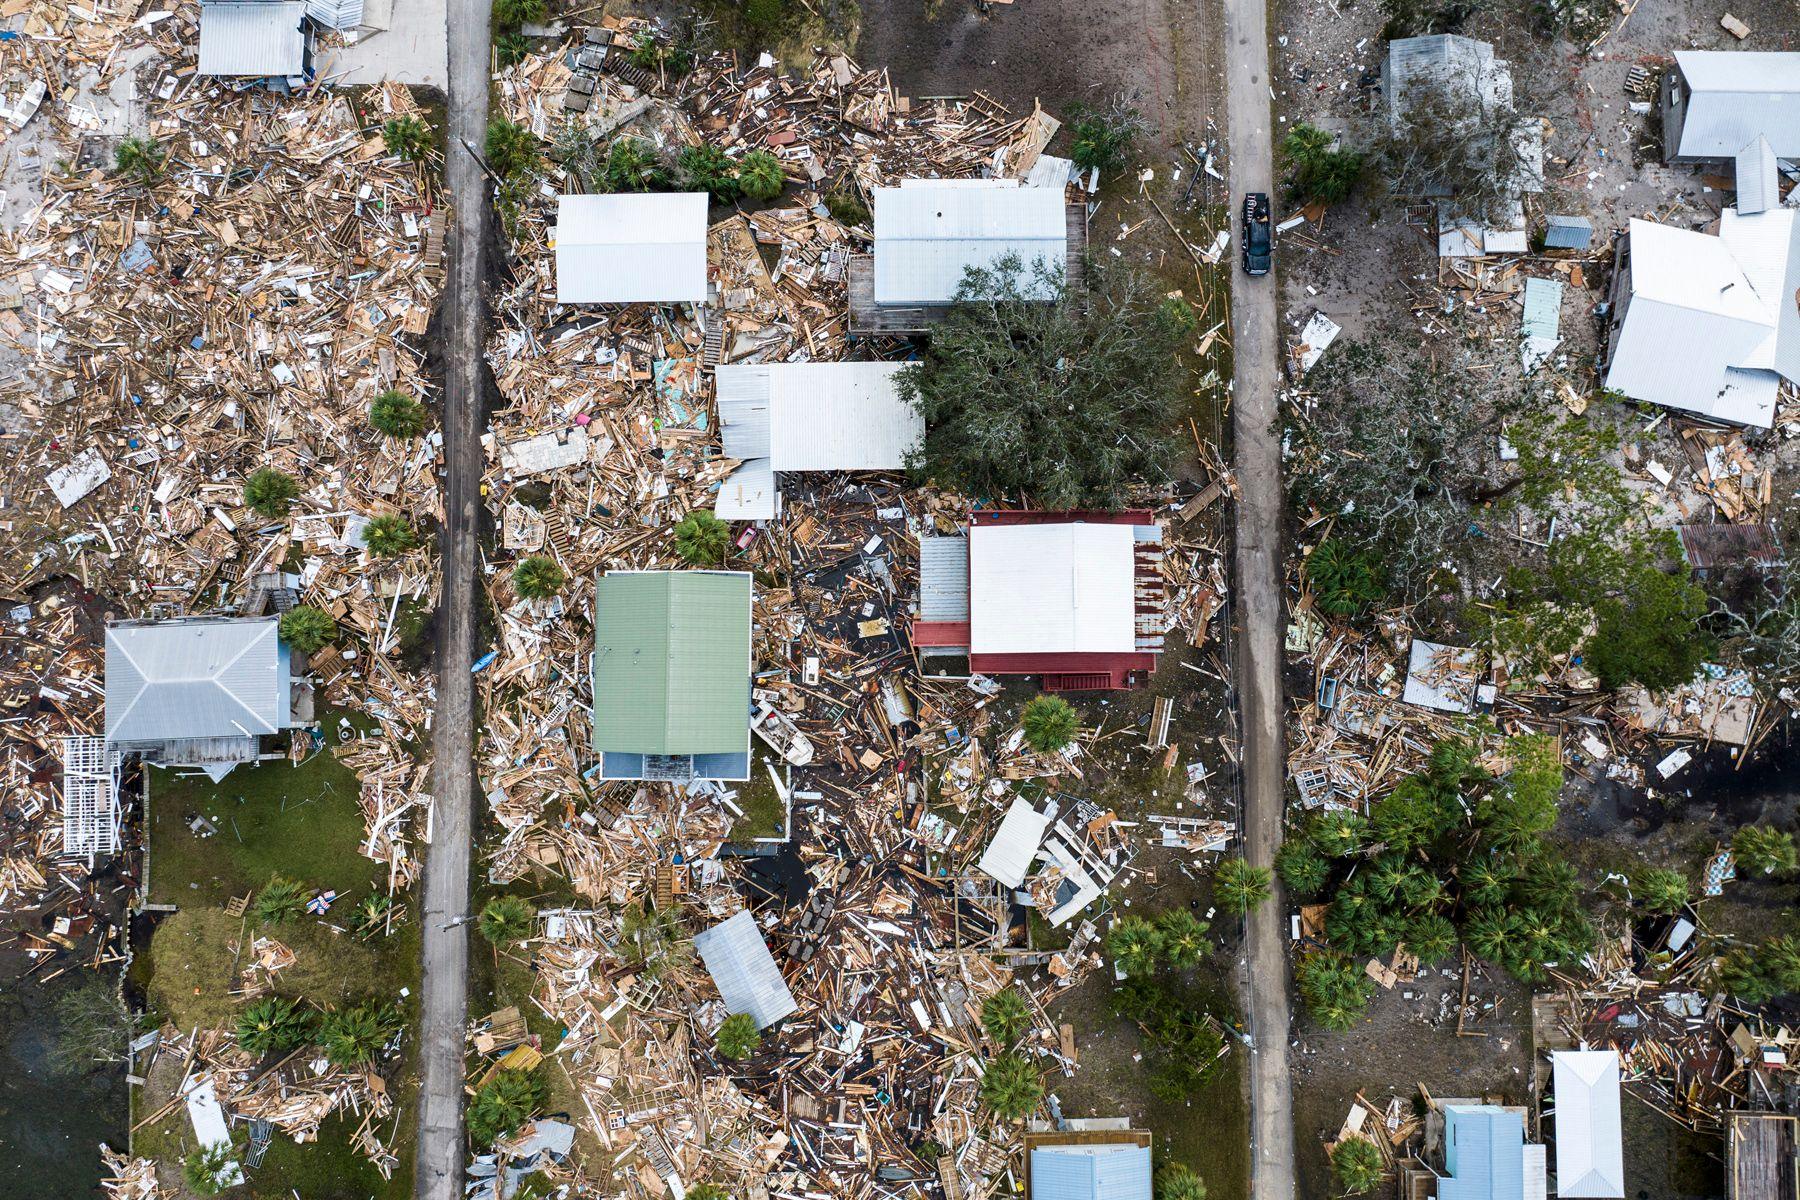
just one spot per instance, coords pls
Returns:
(54, 1109)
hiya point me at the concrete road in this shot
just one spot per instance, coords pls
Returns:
(445, 1001)
(403, 40)
(1256, 346)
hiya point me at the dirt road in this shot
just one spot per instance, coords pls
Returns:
(1256, 347)
(439, 1162)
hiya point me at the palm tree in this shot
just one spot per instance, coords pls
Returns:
(1340, 832)
(280, 900)
(1782, 958)
(1005, 1015)
(512, 150)
(1485, 881)
(1135, 945)
(707, 1191)
(1387, 876)
(1743, 974)
(538, 578)
(503, 1104)
(1661, 890)
(305, 628)
(372, 913)
(207, 1170)
(389, 536)
(506, 919)
(760, 176)
(1764, 850)
(1240, 886)
(355, 1035)
(1177, 1181)
(273, 1025)
(702, 538)
(141, 157)
(1335, 990)
(1431, 937)
(408, 137)
(1301, 867)
(397, 414)
(1349, 920)
(1011, 1087)
(269, 493)
(1357, 1164)
(1049, 722)
(1183, 937)
(1491, 933)
(738, 1037)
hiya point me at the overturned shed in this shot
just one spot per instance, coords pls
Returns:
(738, 959)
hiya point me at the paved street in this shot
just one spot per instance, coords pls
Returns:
(439, 1165)
(1256, 346)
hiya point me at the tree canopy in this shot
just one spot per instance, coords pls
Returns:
(1068, 402)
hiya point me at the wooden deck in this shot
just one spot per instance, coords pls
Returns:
(1760, 1157)
(868, 319)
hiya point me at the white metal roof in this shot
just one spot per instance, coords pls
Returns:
(829, 416)
(749, 493)
(1009, 856)
(1064, 588)
(1589, 1156)
(1737, 95)
(944, 578)
(740, 964)
(221, 677)
(631, 249)
(928, 233)
(263, 37)
(1711, 320)
(1758, 178)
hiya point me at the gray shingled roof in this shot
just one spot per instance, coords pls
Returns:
(207, 678)
(740, 963)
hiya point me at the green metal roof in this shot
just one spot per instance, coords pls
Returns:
(672, 662)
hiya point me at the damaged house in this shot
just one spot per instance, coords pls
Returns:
(1717, 102)
(200, 693)
(1076, 598)
(928, 232)
(1078, 862)
(631, 249)
(270, 40)
(1707, 323)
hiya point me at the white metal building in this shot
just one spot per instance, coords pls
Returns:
(1708, 324)
(837, 416)
(259, 38)
(1589, 1153)
(740, 964)
(631, 249)
(929, 231)
(1053, 588)
(1716, 102)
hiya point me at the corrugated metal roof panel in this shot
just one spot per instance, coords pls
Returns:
(1568, 233)
(844, 416)
(743, 398)
(264, 38)
(1008, 857)
(943, 579)
(672, 662)
(631, 249)
(749, 493)
(1483, 1154)
(1052, 588)
(1104, 1172)
(927, 236)
(195, 679)
(1737, 96)
(738, 959)
(1758, 178)
(1590, 1159)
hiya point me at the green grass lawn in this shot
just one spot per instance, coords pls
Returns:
(302, 823)
(763, 815)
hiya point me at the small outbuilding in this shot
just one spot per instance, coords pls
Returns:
(631, 249)
(1590, 1157)
(255, 39)
(738, 959)
(1568, 233)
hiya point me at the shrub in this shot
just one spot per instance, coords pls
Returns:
(505, 919)
(1764, 850)
(354, 1035)
(538, 578)
(1049, 722)
(1005, 1016)
(702, 539)
(274, 1025)
(306, 629)
(1135, 945)
(707, 1191)
(511, 48)
(207, 1171)
(1177, 1181)
(510, 14)
(280, 900)
(1319, 172)
(140, 157)
(372, 913)
(1104, 139)
(846, 207)
(269, 493)
(1240, 886)
(738, 1037)
(389, 536)
(1344, 581)
(506, 1102)
(1011, 1087)
(1661, 890)
(707, 168)
(397, 415)
(408, 137)
(645, 52)
(1356, 1164)
(512, 150)
(759, 175)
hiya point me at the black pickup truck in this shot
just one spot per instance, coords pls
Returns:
(1259, 238)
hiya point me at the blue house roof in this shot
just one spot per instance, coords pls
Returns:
(1109, 1172)
(1484, 1154)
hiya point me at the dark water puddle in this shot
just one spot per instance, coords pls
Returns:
(53, 1114)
